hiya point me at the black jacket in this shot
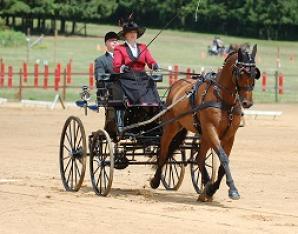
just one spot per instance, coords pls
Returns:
(103, 65)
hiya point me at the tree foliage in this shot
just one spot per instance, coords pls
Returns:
(272, 19)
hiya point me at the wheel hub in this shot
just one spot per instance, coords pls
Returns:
(77, 153)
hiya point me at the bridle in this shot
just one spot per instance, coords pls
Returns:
(241, 68)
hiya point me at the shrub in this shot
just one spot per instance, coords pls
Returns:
(10, 38)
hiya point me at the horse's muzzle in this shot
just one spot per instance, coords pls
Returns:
(246, 104)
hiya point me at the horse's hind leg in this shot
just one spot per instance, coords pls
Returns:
(201, 160)
(170, 131)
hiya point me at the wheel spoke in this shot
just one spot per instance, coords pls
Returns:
(68, 150)
(75, 171)
(78, 170)
(208, 165)
(70, 172)
(198, 176)
(176, 170)
(79, 142)
(172, 175)
(68, 140)
(197, 168)
(104, 178)
(67, 165)
(170, 172)
(98, 166)
(75, 133)
(70, 134)
(166, 170)
(208, 156)
(99, 177)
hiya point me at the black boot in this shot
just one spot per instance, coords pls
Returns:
(120, 120)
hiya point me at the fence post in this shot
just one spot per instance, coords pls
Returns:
(56, 81)
(58, 72)
(46, 76)
(36, 75)
(64, 86)
(25, 71)
(264, 81)
(176, 70)
(20, 86)
(276, 85)
(188, 71)
(91, 74)
(170, 74)
(281, 79)
(68, 72)
(10, 75)
(2, 73)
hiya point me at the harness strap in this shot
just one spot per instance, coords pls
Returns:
(196, 122)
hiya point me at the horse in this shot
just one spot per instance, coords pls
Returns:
(214, 110)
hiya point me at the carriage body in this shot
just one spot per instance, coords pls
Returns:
(111, 150)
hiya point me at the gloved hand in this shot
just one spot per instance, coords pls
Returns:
(125, 69)
(155, 67)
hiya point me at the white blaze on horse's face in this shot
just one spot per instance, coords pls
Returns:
(245, 74)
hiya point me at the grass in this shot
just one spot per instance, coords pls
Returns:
(186, 49)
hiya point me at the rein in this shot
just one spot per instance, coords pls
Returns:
(212, 104)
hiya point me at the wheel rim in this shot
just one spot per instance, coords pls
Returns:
(101, 163)
(73, 154)
(173, 173)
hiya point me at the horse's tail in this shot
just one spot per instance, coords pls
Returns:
(176, 142)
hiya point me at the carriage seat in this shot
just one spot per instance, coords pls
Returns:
(109, 92)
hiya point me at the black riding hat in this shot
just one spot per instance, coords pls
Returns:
(111, 35)
(131, 26)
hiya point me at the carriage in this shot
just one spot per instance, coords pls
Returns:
(137, 144)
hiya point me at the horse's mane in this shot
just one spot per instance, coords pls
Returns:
(229, 55)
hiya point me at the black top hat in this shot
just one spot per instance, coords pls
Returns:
(131, 26)
(111, 35)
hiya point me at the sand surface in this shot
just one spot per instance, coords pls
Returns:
(264, 163)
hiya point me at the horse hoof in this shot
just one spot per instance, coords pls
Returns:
(234, 195)
(154, 183)
(205, 198)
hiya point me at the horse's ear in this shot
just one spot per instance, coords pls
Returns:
(254, 51)
(240, 55)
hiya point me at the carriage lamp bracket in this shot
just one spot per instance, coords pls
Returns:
(85, 96)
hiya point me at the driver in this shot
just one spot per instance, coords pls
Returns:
(130, 59)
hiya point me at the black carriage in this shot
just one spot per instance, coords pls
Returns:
(111, 149)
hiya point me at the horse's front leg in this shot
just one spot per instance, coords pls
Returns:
(211, 132)
(212, 188)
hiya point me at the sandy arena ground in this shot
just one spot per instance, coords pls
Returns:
(264, 164)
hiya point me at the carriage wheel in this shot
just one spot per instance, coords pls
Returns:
(173, 173)
(101, 163)
(211, 164)
(73, 152)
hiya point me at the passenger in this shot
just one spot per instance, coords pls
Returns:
(103, 67)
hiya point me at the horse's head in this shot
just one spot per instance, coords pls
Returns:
(245, 73)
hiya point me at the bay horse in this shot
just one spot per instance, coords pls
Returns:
(215, 111)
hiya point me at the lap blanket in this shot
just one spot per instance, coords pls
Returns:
(140, 89)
